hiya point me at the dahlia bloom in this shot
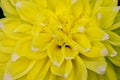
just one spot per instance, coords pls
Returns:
(60, 40)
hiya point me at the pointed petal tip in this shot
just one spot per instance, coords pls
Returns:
(101, 70)
(105, 36)
(18, 4)
(14, 57)
(113, 54)
(104, 52)
(7, 77)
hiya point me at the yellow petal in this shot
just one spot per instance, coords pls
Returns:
(92, 75)
(24, 48)
(96, 34)
(116, 59)
(40, 3)
(4, 57)
(56, 55)
(111, 50)
(40, 70)
(80, 71)
(64, 70)
(97, 50)
(76, 8)
(82, 40)
(97, 65)
(57, 6)
(8, 26)
(25, 7)
(18, 69)
(42, 41)
(107, 21)
(114, 38)
(8, 8)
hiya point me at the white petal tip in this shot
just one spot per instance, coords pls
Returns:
(14, 57)
(99, 15)
(116, 8)
(34, 49)
(65, 76)
(7, 77)
(104, 52)
(81, 29)
(68, 58)
(105, 36)
(87, 49)
(101, 70)
(113, 54)
(1, 25)
(56, 64)
(18, 4)
(74, 1)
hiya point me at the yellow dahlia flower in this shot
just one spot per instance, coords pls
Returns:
(60, 40)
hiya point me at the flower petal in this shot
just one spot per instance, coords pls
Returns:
(40, 70)
(97, 50)
(82, 40)
(116, 60)
(40, 3)
(56, 55)
(24, 48)
(96, 34)
(111, 50)
(80, 71)
(64, 70)
(8, 8)
(97, 65)
(114, 38)
(24, 7)
(92, 75)
(105, 24)
(14, 71)
(42, 41)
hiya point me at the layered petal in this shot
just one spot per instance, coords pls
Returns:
(56, 55)
(24, 7)
(64, 70)
(40, 70)
(13, 71)
(114, 38)
(97, 65)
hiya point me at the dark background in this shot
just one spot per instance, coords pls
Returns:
(2, 16)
